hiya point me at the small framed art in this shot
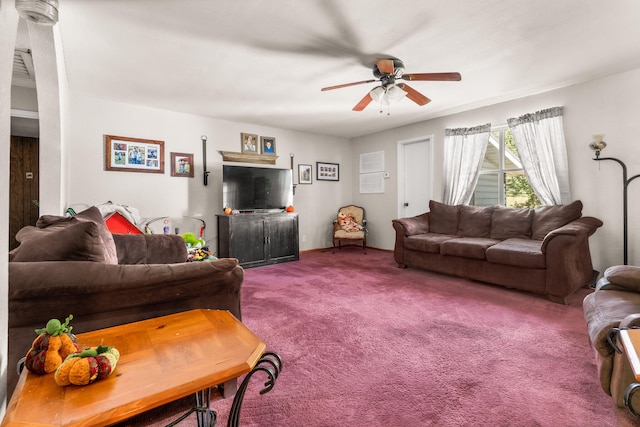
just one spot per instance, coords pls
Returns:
(304, 174)
(268, 145)
(133, 154)
(327, 171)
(182, 164)
(249, 143)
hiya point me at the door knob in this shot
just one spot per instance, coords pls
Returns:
(406, 204)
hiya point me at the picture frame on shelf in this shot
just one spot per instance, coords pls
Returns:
(182, 164)
(127, 154)
(305, 174)
(249, 143)
(327, 171)
(268, 145)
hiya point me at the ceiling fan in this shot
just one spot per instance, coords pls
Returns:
(387, 71)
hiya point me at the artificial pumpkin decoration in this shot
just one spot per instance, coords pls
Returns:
(54, 343)
(289, 208)
(90, 365)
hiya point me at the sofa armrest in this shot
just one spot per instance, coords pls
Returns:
(407, 227)
(413, 225)
(150, 248)
(568, 257)
(581, 228)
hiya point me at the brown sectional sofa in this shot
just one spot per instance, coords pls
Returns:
(74, 265)
(614, 304)
(543, 250)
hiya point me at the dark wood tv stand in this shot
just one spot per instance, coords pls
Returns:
(258, 238)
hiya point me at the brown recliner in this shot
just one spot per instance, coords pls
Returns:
(350, 227)
(614, 304)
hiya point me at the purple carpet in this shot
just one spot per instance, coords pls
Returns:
(365, 343)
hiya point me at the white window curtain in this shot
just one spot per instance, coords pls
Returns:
(464, 151)
(539, 138)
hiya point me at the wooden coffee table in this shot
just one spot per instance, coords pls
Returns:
(161, 360)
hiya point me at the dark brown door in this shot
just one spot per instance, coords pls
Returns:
(23, 185)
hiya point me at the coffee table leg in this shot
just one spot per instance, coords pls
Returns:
(205, 416)
(270, 363)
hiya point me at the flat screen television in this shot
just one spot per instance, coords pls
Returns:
(251, 189)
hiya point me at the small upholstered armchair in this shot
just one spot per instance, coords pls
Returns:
(349, 228)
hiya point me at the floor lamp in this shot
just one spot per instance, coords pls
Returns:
(598, 145)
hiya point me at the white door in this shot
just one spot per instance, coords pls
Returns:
(414, 176)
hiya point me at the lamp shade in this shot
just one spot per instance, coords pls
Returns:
(385, 95)
(43, 12)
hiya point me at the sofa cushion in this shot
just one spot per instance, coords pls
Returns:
(91, 214)
(475, 221)
(76, 242)
(517, 252)
(508, 223)
(548, 218)
(429, 242)
(467, 247)
(443, 219)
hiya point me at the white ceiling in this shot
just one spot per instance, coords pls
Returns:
(264, 62)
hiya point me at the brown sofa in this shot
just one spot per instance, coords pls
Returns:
(73, 265)
(543, 250)
(614, 304)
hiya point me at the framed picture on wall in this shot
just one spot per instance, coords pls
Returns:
(133, 154)
(327, 171)
(249, 143)
(268, 145)
(304, 174)
(182, 164)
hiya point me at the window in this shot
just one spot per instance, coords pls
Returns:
(502, 180)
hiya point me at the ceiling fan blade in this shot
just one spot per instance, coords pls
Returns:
(414, 95)
(453, 77)
(347, 85)
(363, 103)
(385, 66)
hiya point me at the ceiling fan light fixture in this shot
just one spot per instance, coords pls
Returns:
(377, 94)
(43, 12)
(395, 94)
(386, 95)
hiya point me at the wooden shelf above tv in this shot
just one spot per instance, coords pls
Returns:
(228, 156)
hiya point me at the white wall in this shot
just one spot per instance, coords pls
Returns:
(8, 29)
(609, 105)
(51, 88)
(156, 195)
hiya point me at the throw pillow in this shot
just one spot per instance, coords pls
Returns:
(348, 222)
(475, 221)
(624, 276)
(509, 223)
(443, 219)
(76, 242)
(91, 214)
(548, 218)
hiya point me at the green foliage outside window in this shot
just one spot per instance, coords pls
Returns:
(519, 193)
